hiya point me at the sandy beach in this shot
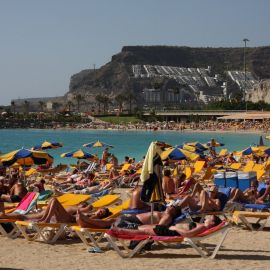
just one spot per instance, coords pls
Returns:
(241, 250)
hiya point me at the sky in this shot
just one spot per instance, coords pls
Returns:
(43, 43)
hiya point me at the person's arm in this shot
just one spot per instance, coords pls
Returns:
(189, 233)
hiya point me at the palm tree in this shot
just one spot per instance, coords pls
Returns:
(120, 99)
(70, 105)
(26, 106)
(13, 106)
(106, 101)
(99, 100)
(42, 105)
(130, 97)
(79, 98)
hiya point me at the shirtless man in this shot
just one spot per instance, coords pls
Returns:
(162, 218)
(192, 229)
(168, 184)
(16, 193)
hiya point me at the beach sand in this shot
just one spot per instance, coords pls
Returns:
(242, 249)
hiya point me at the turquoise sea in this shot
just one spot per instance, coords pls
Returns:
(131, 143)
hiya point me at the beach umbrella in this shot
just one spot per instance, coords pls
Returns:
(25, 157)
(79, 154)
(47, 145)
(97, 144)
(175, 153)
(151, 177)
(198, 146)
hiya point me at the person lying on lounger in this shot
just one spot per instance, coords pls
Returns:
(251, 194)
(192, 229)
(162, 218)
(202, 201)
(55, 212)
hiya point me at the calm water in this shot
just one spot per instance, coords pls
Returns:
(132, 143)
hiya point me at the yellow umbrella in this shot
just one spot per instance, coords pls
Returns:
(175, 153)
(25, 157)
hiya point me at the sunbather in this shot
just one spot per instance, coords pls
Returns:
(16, 193)
(201, 201)
(265, 197)
(57, 213)
(192, 229)
(250, 195)
(162, 218)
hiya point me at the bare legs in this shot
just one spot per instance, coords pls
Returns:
(135, 200)
(87, 222)
(264, 196)
(55, 209)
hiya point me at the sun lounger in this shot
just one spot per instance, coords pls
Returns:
(50, 232)
(235, 166)
(198, 166)
(262, 218)
(92, 236)
(70, 199)
(7, 226)
(195, 242)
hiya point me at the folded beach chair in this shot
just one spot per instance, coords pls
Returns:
(50, 232)
(90, 168)
(195, 242)
(7, 226)
(92, 236)
(262, 218)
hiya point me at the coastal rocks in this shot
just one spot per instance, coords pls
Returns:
(260, 92)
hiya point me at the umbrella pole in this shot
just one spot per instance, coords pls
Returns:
(152, 213)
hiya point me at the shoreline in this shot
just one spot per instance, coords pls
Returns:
(248, 131)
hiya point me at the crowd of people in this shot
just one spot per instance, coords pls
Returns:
(205, 125)
(184, 193)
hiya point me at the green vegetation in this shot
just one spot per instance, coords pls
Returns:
(238, 105)
(120, 119)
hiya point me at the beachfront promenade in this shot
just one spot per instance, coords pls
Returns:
(231, 113)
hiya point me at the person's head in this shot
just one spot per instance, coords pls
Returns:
(126, 158)
(42, 181)
(167, 173)
(75, 171)
(254, 184)
(103, 212)
(182, 177)
(212, 221)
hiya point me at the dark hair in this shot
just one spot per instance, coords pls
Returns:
(167, 173)
(255, 182)
(42, 181)
(107, 213)
(217, 220)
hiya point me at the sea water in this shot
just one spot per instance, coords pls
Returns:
(126, 143)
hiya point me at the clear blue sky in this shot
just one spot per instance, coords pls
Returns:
(44, 42)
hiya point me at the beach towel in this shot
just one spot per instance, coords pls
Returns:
(27, 203)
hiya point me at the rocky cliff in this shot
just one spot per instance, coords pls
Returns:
(260, 92)
(116, 76)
